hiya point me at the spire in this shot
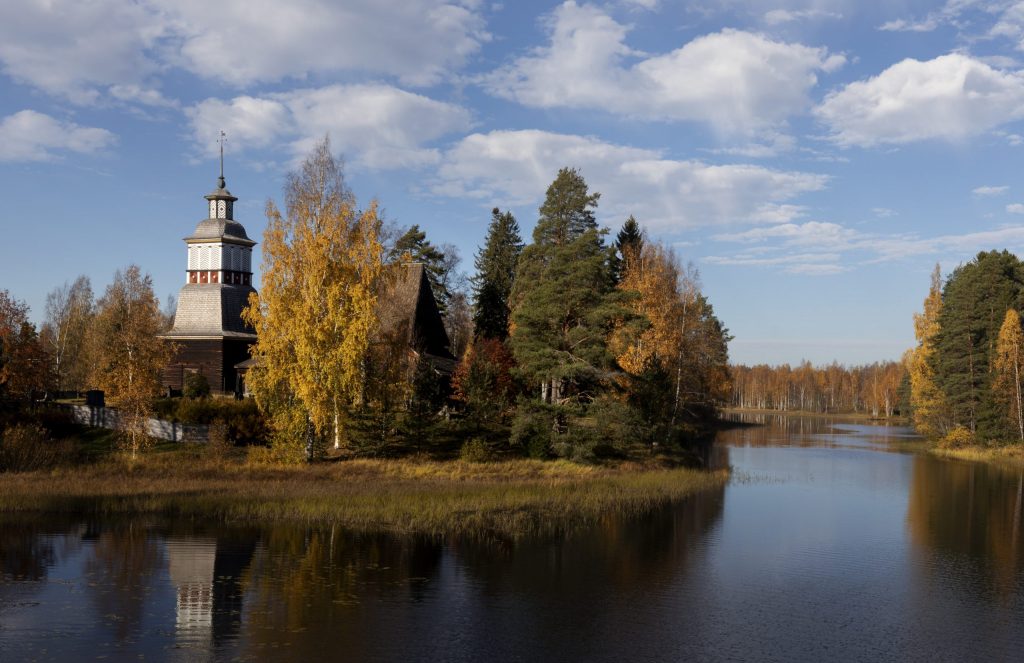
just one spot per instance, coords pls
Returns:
(221, 184)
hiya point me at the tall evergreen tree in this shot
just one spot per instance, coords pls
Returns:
(629, 243)
(974, 304)
(495, 272)
(564, 307)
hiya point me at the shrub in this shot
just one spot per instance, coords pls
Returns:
(246, 424)
(27, 447)
(531, 430)
(475, 450)
(960, 436)
(196, 386)
(218, 444)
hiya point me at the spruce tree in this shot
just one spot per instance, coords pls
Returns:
(495, 272)
(974, 304)
(628, 244)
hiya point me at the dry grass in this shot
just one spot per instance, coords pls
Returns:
(1008, 455)
(509, 498)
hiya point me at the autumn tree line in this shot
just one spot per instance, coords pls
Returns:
(574, 344)
(966, 372)
(569, 345)
(878, 389)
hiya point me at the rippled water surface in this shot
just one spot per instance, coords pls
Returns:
(834, 541)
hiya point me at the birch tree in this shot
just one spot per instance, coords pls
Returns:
(128, 355)
(1008, 364)
(314, 316)
(68, 313)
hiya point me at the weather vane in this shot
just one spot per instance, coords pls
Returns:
(223, 139)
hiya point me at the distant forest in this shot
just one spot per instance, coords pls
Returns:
(876, 389)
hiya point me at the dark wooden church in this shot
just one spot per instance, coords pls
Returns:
(208, 329)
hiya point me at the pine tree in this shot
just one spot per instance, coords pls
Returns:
(315, 313)
(1009, 370)
(927, 402)
(974, 303)
(564, 308)
(495, 272)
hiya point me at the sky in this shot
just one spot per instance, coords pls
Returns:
(813, 159)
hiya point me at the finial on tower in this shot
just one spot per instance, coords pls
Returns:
(220, 180)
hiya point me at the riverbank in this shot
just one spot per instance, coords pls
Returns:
(507, 498)
(1008, 455)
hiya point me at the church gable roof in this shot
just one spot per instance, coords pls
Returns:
(406, 305)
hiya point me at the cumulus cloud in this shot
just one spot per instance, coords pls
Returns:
(515, 167)
(418, 41)
(78, 50)
(378, 126)
(951, 97)
(32, 136)
(70, 48)
(738, 82)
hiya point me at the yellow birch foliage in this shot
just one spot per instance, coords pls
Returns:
(128, 355)
(314, 315)
(1008, 365)
(654, 277)
(926, 399)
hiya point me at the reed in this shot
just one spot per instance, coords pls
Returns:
(510, 498)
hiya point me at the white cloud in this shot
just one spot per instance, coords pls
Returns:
(951, 97)
(738, 82)
(418, 41)
(32, 136)
(989, 190)
(883, 212)
(818, 247)
(71, 48)
(78, 50)
(515, 167)
(1015, 208)
(780, 16)
(377, 126)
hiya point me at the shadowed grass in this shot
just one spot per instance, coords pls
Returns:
(510, 498)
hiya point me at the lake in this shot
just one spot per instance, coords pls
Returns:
(833, 541)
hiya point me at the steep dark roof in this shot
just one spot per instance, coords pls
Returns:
(406, 306)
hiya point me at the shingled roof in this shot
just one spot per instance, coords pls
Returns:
(211, 309)
(407, 306)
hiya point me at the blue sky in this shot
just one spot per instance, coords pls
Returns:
(813, 158)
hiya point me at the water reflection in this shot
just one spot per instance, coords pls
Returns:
(846, 553)
(969, 509)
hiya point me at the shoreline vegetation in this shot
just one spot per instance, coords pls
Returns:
(509, 498)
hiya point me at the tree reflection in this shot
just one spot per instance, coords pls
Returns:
(969, 508)
(123, 560)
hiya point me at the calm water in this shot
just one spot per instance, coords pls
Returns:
(829, 544)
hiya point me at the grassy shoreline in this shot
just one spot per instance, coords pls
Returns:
(509, 498)
(1008, 455)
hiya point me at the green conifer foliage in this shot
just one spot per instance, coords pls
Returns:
(495, 272)
(628, 244)
(974, 303)
(564, 306)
